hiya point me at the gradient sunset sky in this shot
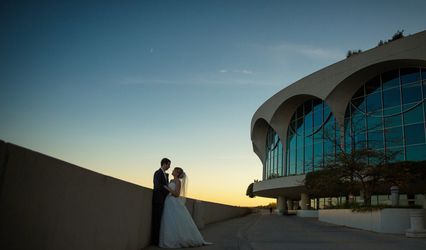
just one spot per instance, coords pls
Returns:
(114, 86)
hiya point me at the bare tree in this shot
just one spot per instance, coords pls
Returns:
(350, 168)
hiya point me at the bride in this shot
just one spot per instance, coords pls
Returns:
(177, 227)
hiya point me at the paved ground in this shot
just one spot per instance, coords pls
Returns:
(269, 232)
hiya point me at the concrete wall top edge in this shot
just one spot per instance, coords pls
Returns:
(215, 203)
(67, 164)
(61, 163)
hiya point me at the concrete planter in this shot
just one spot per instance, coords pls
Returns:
(307, 213)
(388, 220)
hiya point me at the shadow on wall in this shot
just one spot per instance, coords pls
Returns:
(46, 203)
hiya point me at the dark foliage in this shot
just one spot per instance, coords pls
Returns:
(352, 52)
(342, 180)
(398, 34)
(249, 191)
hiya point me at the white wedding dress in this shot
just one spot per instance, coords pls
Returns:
(177, 227)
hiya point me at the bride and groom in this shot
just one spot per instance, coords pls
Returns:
(172, 225)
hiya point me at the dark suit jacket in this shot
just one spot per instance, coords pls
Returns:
(159, 192)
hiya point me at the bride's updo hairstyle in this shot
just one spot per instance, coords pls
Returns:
(181, 174)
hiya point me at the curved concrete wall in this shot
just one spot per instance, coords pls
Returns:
(46, 203)
(335, 85)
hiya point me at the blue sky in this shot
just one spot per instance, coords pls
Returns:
(114, 86)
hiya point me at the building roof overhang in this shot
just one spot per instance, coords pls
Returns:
(289, 187)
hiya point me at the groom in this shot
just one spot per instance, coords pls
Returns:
(161, 179)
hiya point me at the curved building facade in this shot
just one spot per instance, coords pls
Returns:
(375, 99)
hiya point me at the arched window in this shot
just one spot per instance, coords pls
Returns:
(274, 155)
(312, 138)
(388, 113)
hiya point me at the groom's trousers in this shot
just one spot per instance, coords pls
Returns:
(157, 212)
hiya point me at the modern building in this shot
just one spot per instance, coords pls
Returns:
(377, 96)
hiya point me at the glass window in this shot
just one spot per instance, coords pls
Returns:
(378, 109)
(337, 131)
(273, 161)
(397, 152)
(293, 141)
(416, 153)
(329, 152)
(318, 155)
(292, 167)
(374, 122)
(392, 117)
(373, 85)
(358, 123)
(318, 119)
(393, 121)
(299, 141)
(424, 89)
(275, 164)
(308, 158)
(347, 134)
(391, 98)
(287, 165)
(409, 75)
(280, 159)
(299, 128)
(276, 138)
(330, 130)
(268, 164)
(411, 93)
(375, 139)
(317, 103)
(393, 137)
(358, 105)
(390, 79)
(318, 135)
(309, 140)
(326, 112)
(360, 140)
(414, 134)
(348, 142)
(308, 123)
(302, 156)
(300, 160)
(293, 125)
(414, 115)
(374, 102)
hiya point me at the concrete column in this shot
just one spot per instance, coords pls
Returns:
(417, 228)
(329, 201)
(361, 196)
(281, 205)
(395, 195)
(304, 201)
(351, 199)
(295, 205)
(290, 204)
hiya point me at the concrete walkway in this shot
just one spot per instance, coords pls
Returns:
(267, 232)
